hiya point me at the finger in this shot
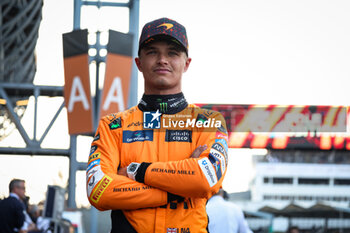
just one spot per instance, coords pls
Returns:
(198, 151)
(201, 148)
(204, 147)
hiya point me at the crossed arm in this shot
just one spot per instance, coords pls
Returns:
(108, 186)
(195, 154)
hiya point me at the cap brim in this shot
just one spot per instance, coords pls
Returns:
(162, 37)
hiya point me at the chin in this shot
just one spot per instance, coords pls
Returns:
(163, 83)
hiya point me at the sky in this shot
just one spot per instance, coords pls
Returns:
(243, 52)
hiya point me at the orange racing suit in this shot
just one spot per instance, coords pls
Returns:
(172, 190)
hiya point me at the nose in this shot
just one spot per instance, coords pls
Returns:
(162, 59)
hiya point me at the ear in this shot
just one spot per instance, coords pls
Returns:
(187, 64)
(138, 63)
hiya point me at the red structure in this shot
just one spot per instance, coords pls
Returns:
(285, 126)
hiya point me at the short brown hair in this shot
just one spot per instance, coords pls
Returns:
(14, 183)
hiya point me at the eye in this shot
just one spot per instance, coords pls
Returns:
(150, 52)
(173, 53)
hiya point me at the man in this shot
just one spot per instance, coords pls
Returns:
(225, 216)
(156, 164)
(12, 209)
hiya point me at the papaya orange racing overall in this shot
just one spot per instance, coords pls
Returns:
(171, 188)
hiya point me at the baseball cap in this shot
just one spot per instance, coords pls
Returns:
(164, 28)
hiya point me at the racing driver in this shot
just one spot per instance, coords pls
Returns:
(156, 164)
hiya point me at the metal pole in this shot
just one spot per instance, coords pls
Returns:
(98, 91)
(93, 210)
(36, 95)
(73, 166)
(15, 119)
(134, 30)
(77, 14)
(93, 220)
(51, 123)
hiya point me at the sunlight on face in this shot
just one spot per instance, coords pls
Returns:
(162, 65)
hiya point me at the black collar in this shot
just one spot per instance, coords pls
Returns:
(167, 104)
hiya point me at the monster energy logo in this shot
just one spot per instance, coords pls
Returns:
(163, 107)
(115, 124)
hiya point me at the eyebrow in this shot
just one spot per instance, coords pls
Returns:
(148, 47)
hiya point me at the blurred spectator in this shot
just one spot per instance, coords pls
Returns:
(34, 212)
(12, 209)
(42, 224)
(224, 216)
(28, 224)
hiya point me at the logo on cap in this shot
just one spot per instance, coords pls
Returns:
(155, 28)
(167, 25)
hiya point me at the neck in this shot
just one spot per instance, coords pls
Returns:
(165, 103)
(167, 91)
(15, 195)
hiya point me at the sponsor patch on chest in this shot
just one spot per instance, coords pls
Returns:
(137, 136)
(178, 136)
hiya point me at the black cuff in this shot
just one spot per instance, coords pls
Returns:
(141, 171)
(174, 197)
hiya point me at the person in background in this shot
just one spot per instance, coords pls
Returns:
(41, 224)
(29, 224)
(225, 216)
(12, 209)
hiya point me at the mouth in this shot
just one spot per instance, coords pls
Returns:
(162, 70)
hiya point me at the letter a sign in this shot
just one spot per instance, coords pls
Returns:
(118, 71)
(77, 94)
(77, 83)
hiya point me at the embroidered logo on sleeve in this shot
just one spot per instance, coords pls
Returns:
(93, 177)
(217, 165)
(223, 143)
(94, 157)
(208, 171)
(220, 157)
(96, 195)
(97, 137)
(93, 164)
